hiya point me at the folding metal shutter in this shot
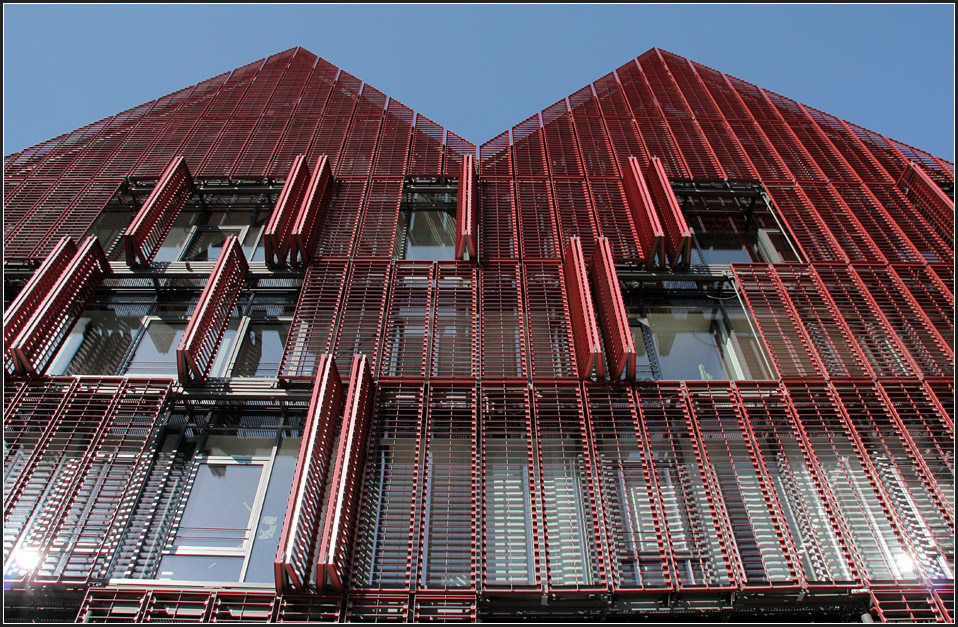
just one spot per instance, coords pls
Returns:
(644, 215)
(611, 313)
(297, 545)
(18, 314)
(467, 211)
(933, 204)
(678, 235)
(455, 327)
(62, 305)
(344, 484)
(153, 221)
(588, 345)
(277, 235)
(197, 349)
(304, 233)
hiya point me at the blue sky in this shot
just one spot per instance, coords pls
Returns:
(479, 70)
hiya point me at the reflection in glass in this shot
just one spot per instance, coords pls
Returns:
(156, 352)
(219, 506)
(427, 235)
(96, 345)
(262, 349)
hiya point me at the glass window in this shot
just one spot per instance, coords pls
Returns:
(207, 242)
(156, 352)
(97, 344)
(724, 238)
(261, 350)
(428, 235)
(695, 338)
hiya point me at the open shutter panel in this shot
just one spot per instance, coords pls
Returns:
(651, 236)
(345, 488)
(467, 213)
(54, 317)
(196, 351)
(151, 224)
(303, 516)
(17, 315)
(277, 236)
(678, 235)
(588, 346)
(611, 312)
(305, 228)
(929, 199)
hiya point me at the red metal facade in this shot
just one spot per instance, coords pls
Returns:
(491, 453)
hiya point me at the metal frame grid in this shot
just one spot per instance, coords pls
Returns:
(495, 157)
(497, 220)
(201, 340)
(908, 605)
(313, 329)
(301, 526)
(393, 149)
(933, 204)
(615, 224)
(62, 305)
(363, 312)
(406, 333)
(538, 229)
(377, 225)
(455, 327)
(502, 348)
(426, 150)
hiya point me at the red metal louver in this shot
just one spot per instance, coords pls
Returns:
(467, 211)
(928, 198)
(143, 237)
(303, 235)
(196, 351)
(277, 235)
(300, 529)
(312, 330)
(678, 235)
(345, 482)
(25, 304)
(55, 315)
(651, 236)
(588, 345)
(611, 312)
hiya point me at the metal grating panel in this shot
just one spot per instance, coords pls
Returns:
(611, 313)
(495, 157)
(735, 471)
(425, 155)
(866, 321)
(933, 204)
(386, 548)
(907, 605)
(930, 352)
(559, 137)
(819, 548)
(503, 340)
(511, 554)
(497, 220)
(634, 526)
(393, 150)
(313, 327)
(931, 295)
(407, 331)
(851, 488)
(585, 331)
(782, 329)
(377, 228)
(537, 220)
(343, 504)
(456, 149)
(528, 150)
(887, 235)
(201, 340)
(830, 336)
(455, 329)
(360, 147)
(551, 346)
(615, 222)
(340, 219)
(922, 510)
(62, 305)
(242, 607)
(575, 216)
(813, 235)
(153, 221)
(700, 549)
(575, 556)
(597, 155)
(363, 312)
(449, 516)
(298, 543)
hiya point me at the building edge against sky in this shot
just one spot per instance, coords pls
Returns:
(674, 345)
